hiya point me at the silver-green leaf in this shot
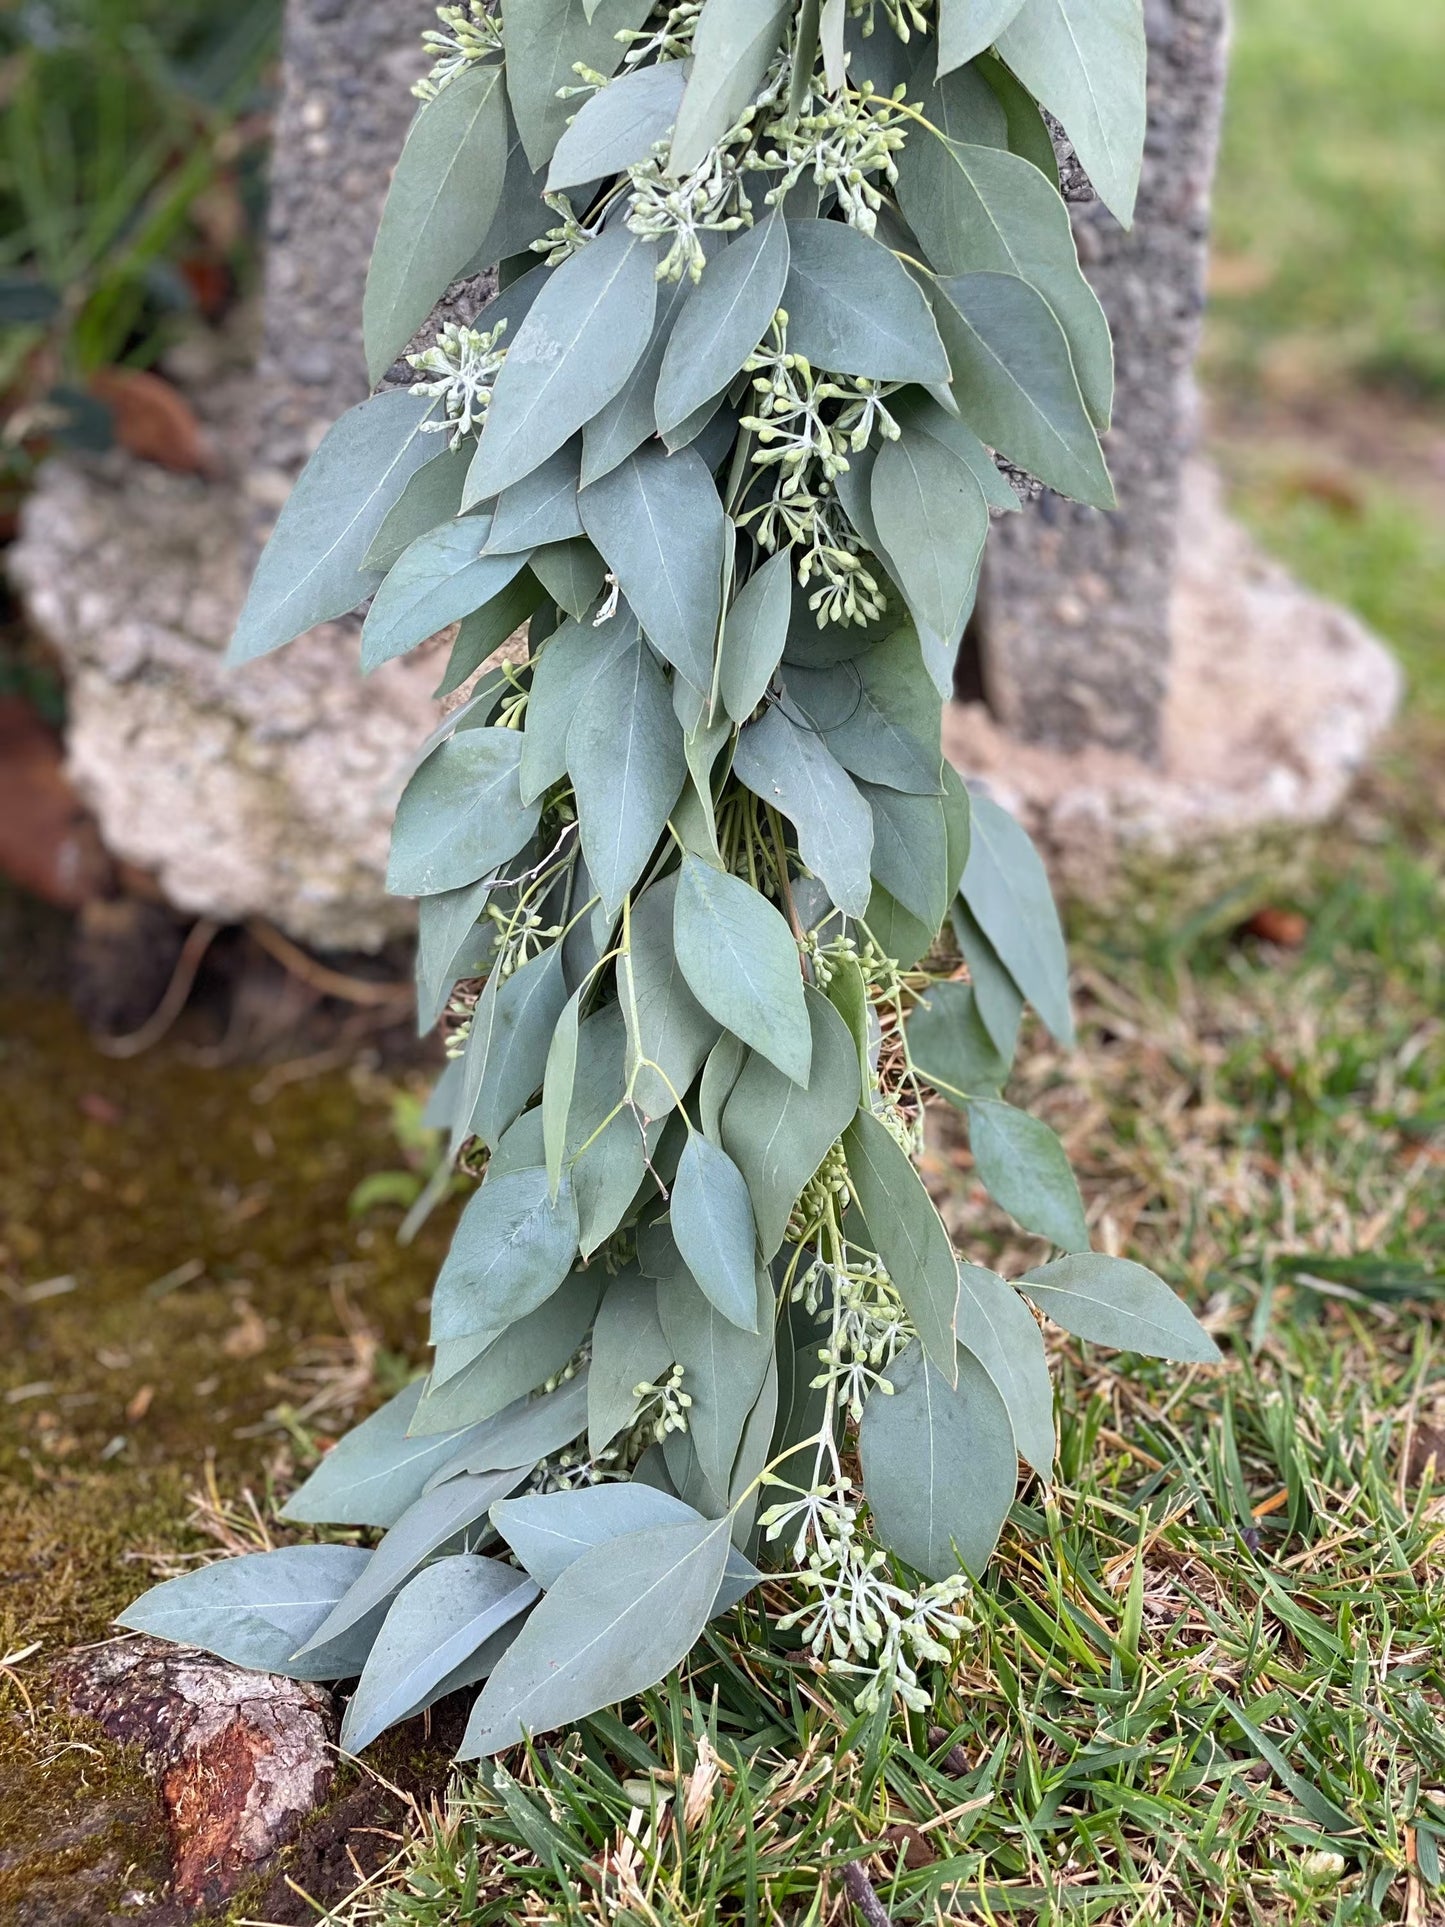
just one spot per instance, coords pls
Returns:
(658, 522)
(1023, 1166)
(854, 309)
(1006, 888)
(1085, 61)
(1014, 381)
(939, 1464)
(778, 1132)
(544, 39)
(723, 323)
(754, 636)
(444, 191)
(732, 47)
(617, 1620)
(461, 815)
(669, 1033)
(1113, 1301)
(794, 770)
(513, 1247)
(583, 336)
(998, 1328)
(742, 965)
(907, 1233)
(625, 758)
(618, 125)
(442, 577)
(712, 1221)
(311, 569)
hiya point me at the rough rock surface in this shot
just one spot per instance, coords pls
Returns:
(1074, 607)
(240, 1758)
(1275, 697)
(266, 790)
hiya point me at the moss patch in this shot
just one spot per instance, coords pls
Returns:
(178, 1266)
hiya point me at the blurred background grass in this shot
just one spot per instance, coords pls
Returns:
(1325, 343)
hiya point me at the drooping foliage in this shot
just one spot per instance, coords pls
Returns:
(704, 912)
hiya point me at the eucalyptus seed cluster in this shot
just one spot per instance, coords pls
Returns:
(841, 143)
(662, 1408)
(708, 201)
(467, 34)
(805, 425)
(666, 36)
(905, 17)
(463, 365)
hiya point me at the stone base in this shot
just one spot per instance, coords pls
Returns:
(264, 791)
(1275, 699)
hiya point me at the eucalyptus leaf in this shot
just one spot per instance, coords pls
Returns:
(311, 568)
(431, 497)
(1113, 1301)
(967, 27)
(719, 1079)
(754, 635)
(669, 1032)
(521, 1358)
(1006, 889)
(617, 1620)
(1085, 61)
(1014, 380)
(449, 945)
(607, 1145)
(997, 997)
(910, 851)
(977, 208)
(550, 1531)
(960, 104)
(541, 508)
(793, 769)
(486, 629)
(630, 418)
(506, 1051)
(375, 1472)
(932, 519)
(513, 1247)
(921, 412)
(939, 1464)
(445, 1616)
(712, 1222)
(544, 40)
(461, 815)
(442, 577)
(855, 310)
(733, 45)
(625, 758)
(907, 1234)
(742, 965)
(723, 323)
(657, 521)
(1027, 130)
(582, 337)
(619, 125)
(951, 1047)
(723, 1367)
(256, 1610)
(1023, 1166)
(522, 216)
(572, 573)
(558, 1083)
(520, 1435)
(848, 994)
(562, 677)
(998, 1328)
(628, 1350)
(450, 1516)
(778, 1131)
(881, 715)
(444, 191)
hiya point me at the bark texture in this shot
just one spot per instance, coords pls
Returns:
(240, 1758)
(1074, 611)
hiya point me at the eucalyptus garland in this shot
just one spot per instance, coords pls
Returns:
(775, 279)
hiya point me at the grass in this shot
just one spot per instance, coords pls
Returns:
(1207, 1671)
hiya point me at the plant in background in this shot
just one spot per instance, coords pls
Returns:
(775, 278)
